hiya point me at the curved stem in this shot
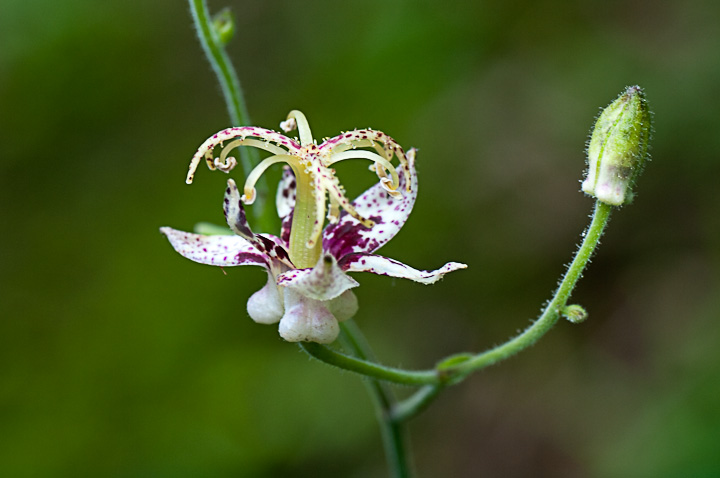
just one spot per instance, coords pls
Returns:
(451, 374)
(416, 403)
(214, 50)
(391, 414)
(552, 311)
(370, 369)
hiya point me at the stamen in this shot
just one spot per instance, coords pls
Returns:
(288, 125)
(249, 195)
(381, 173)
(361, 154)
(366, 138)
(386, 184)
(225, 166)
(336, 194)
(251, 142)
(249, 189)
(272, 142)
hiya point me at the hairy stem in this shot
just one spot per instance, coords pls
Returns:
(393, 431)
(416, 403)
(234, 100)
(370, 368)
(436, 380)
(552, 311)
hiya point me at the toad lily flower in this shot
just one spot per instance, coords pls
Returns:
(308, 289)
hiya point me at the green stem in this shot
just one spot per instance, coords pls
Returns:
(552, 311)
(393, 431)
(234, 100)
(416, 403)
(368, 368)
(392, 414)
(446, 374)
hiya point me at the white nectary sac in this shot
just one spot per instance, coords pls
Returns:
(307, 320)
(266, 305)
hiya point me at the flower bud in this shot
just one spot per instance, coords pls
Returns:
(618, 148)
(224, 26)
(575, 313)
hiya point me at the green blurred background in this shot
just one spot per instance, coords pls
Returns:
(119, 358)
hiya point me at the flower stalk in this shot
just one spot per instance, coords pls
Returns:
(392, 429)
(213, 35)
(455, 369)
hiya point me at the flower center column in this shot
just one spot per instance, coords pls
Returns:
(303, 222)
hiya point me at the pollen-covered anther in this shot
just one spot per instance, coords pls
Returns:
(225, 166)
(288, 125)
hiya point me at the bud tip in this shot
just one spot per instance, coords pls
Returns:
(618, 148)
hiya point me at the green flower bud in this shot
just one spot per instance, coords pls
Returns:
(224, 25)
(618, 148)
(575, 313)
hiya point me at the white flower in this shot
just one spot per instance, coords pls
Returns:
(308, 289)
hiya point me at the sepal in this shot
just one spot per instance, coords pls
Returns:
(223, 251)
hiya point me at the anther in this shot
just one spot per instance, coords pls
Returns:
(227, 166)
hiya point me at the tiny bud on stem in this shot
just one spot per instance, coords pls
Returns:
(575, 313)
(224, 25)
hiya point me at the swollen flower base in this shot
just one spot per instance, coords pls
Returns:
(308, 289)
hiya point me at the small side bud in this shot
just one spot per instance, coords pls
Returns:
(446, 371)
(618, 148)
(224, 25)
(575, 313)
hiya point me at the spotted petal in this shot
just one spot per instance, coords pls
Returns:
(272, 246)
(323, 282)
(389, 267)
(285, 201)
(286, 193)
(348, 235)
(225, 251)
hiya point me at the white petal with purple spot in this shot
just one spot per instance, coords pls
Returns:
(389, 267)
(286, 193)
(389, 214)
(224, 251)
(235, 212)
